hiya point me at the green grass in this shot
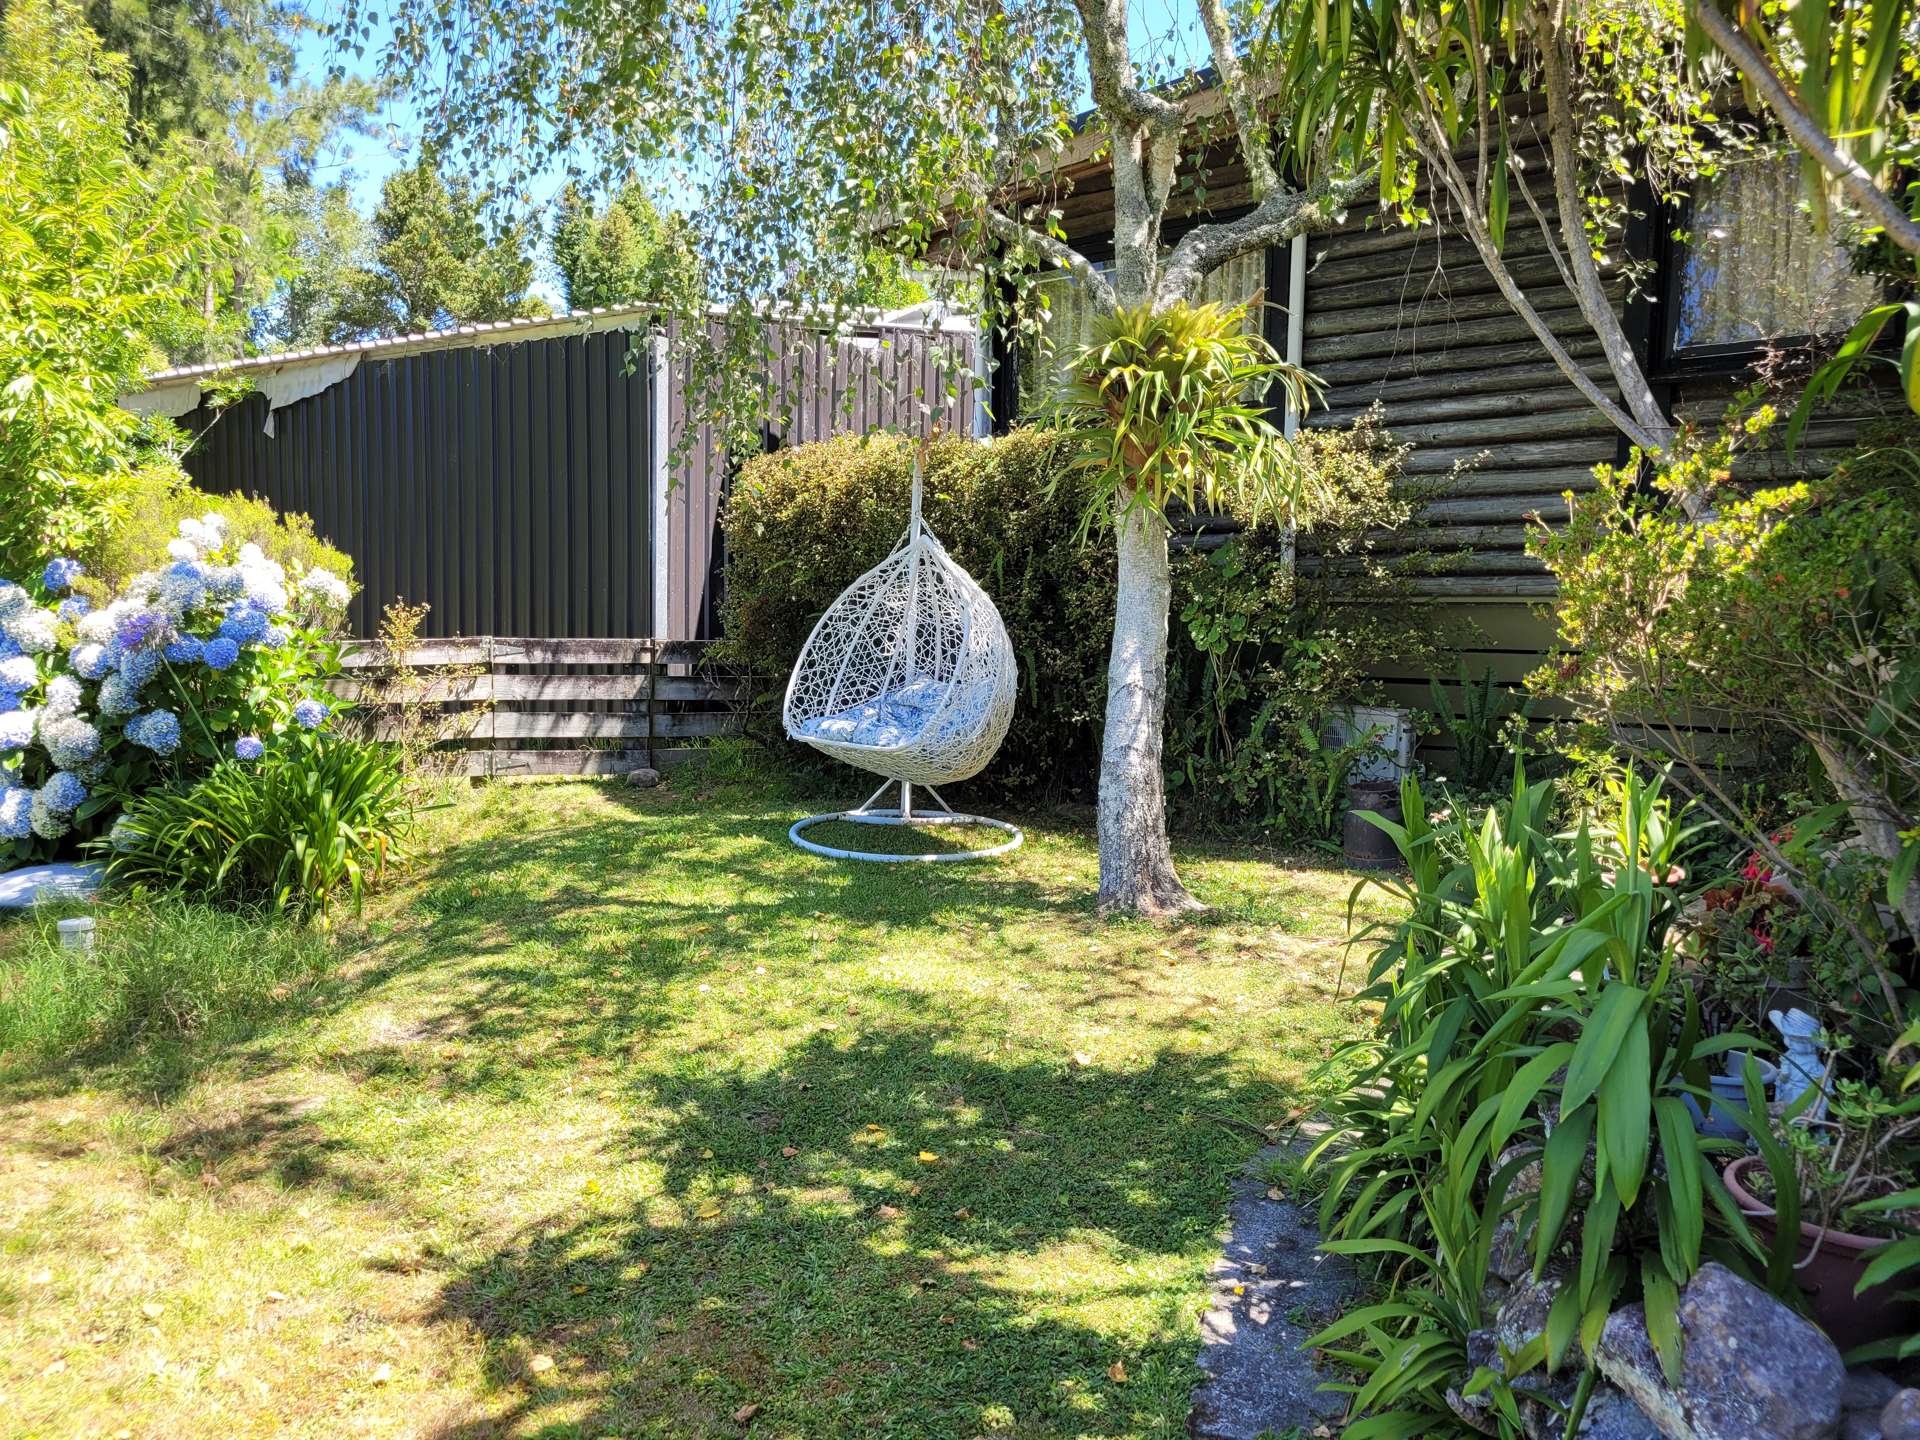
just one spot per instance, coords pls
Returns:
(619, 1115)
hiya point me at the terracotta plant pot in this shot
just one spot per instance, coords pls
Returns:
(1828, 1280)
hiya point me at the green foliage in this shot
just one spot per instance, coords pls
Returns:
(629, 251)
(435, 260)
(1527, 1012)
(152, 501)
(163, 970)
(1270, 652)
(225, 86)
(1163, 406)
(94, 248)
(1414, 84)
(802, 524)
(1479, 734)
(311, 823)
(1794, 609)
(331, 256)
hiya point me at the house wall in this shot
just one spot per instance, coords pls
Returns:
(1411, 320)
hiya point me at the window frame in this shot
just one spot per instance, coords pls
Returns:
(1704, 361)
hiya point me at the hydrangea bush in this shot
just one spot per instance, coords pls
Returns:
(186, 666)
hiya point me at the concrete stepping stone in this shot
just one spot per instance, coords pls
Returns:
(30, 884)
(1271, 1289)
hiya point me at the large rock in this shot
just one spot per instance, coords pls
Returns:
(1610, 1415)
(1901, 1418)
(1752, 1369)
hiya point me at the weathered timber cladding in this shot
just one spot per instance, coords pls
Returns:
(652, 700)
(817, 385)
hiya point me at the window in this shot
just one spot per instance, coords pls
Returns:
(1068, 324)
(1753, 268)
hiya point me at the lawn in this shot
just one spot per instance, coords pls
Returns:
(618, 1116)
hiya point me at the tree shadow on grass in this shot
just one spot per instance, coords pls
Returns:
(955, 1246)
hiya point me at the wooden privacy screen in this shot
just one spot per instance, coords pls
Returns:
(503, 706)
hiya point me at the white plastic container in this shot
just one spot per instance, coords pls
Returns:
(1392, 734)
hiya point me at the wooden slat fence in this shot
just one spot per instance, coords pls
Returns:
(506, 706)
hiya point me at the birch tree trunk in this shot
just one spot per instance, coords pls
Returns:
(1136, 860)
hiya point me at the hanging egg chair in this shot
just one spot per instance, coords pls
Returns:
(909, 675)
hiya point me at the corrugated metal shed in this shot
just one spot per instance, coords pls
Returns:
(515, 477)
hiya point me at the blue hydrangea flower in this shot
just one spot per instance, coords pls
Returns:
(60, 574)
(16, 807)
(16, 730)
(248, 747)
(274, 637)
(157, 730)
(140, 666)
(245, 622)
(9, 701)
(116, 696)
(183, 649)
(63, 793)
(48, 823)
(90, 661)
(18, 672)
(219, 652)
(310, 713)
(12, 600)
(74, 607)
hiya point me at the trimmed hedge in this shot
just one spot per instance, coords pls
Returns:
(803, 524)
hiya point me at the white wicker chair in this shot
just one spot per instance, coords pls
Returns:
(909, 674)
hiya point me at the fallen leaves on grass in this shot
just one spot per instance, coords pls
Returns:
(1117, 1372)
(744, 1415)
(540, 1364)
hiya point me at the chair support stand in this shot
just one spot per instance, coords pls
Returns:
(867, 813)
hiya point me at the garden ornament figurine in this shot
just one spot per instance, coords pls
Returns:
(1801, 1067)
(910, 675)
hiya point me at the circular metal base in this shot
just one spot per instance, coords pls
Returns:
(894, 817)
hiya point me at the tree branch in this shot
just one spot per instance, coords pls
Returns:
(1005, 228)
(1275, 221)
(1103, 24)
(1437, 150)
(1232, 78)
(1588, 288)
(1810, 136)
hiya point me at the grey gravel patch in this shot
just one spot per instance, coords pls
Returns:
(1259, 1381)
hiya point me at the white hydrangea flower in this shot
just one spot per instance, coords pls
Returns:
(48, 823)
(32, 630)
(326, 587)
(183, 549)
(18, 673)
(63, 695)
(96, 627)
